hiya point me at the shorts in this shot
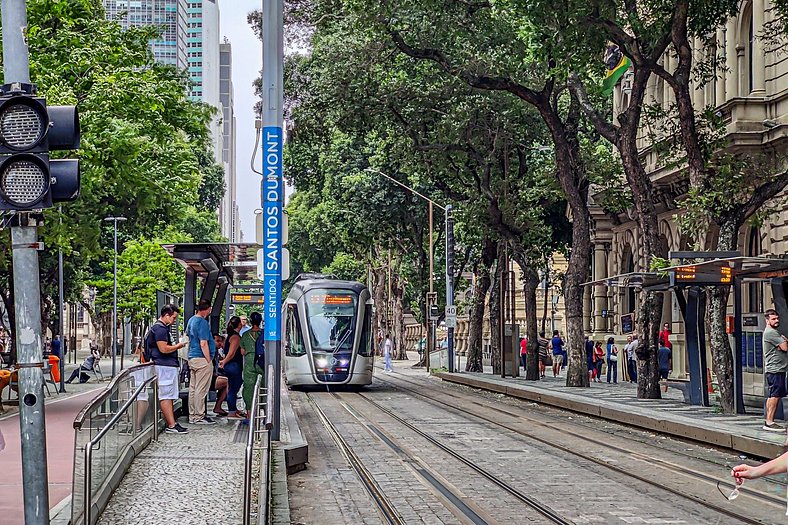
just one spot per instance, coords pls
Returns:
(558, 359)
(168, 382)
(776, 384)
(663, 374)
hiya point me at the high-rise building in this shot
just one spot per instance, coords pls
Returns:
(170, 48)
(228, 214)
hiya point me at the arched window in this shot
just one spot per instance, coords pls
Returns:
(754, 290)
(745, 41)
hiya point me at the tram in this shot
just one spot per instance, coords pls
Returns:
(328, 332)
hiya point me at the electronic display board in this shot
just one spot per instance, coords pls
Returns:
(247, 298)
(693, 275)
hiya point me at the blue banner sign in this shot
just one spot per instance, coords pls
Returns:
(272, 230)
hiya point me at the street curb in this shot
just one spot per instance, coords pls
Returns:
(60, 514)
(674, 425)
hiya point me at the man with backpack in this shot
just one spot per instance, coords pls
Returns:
(253, 350)
(164, 354)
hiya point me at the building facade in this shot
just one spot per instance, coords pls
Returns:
(751, 96)
(228, 213)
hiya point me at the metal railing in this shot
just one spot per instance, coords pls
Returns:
(109, 432)
(258, 454)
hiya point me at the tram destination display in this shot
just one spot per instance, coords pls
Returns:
(703, 275)
(247, 298)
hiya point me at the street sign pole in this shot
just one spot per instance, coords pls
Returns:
(27, 302)
(272, 192)
(450, 280)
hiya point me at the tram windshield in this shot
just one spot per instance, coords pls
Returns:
(332, 320)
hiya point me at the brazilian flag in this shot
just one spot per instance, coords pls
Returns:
(617, 64)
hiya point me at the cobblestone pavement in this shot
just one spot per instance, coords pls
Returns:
(580, 490)
(195, 478)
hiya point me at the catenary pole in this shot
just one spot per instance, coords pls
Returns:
(27, 302)
(114, 349)
(450, 279)
(61, 311)
(272, 198)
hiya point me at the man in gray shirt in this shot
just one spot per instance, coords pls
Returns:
(775, 361)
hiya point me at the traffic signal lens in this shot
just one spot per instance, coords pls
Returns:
(22, 127)
(23, 182)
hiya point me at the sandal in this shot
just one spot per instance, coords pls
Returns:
(220, 412)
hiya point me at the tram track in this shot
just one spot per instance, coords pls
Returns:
(385, 508)
(665, 465)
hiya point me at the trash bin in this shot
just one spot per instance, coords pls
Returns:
(54, 363)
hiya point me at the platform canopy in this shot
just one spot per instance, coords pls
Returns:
(236, 261)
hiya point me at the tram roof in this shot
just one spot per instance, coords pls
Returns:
(746, 268)
(236, 261)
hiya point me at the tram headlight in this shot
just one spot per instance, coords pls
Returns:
(321, 362)
(343, 362)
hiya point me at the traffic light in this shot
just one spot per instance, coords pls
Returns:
(29, 130)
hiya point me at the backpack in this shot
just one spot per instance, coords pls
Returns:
(259, 350)
(146, 348)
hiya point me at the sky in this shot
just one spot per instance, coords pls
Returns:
(247, 62)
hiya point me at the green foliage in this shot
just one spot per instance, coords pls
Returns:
(345, 266)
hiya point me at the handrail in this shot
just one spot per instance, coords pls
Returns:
(88, 503)
(80, 419)
(253, 419)
(269, 399)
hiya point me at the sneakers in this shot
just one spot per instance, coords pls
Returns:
(177, 429)
(773, 427)
(204, 421)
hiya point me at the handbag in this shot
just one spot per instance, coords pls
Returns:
(548, 360)
(613, 354)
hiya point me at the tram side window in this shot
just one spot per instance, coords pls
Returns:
(295, 340)
(365, 348)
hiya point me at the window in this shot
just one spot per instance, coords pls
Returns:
(294, 339)
(754, 290)
(331, 317)
(367, 346)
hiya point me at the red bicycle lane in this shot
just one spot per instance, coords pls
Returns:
(60, 414)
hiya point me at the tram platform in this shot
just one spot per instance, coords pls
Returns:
(619, 403)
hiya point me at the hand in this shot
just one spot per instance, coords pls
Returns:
(221, 364)
(742, 472)
(181, 345)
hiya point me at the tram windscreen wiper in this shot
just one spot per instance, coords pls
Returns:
(342, 341)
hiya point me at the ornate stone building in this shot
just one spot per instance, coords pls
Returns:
(751, 96)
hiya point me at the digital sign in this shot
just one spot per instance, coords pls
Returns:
(721, 275)
(330, 299)
(240, 298)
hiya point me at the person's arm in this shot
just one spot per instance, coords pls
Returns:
(244, 339)
(784, 345)
(166, 348)
(776, 466)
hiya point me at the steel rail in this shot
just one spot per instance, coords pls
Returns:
(569, 450)
(539, 507)
(88, 454)
(248, 455)
(386, 509)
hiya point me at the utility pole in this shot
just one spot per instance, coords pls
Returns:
(115, 220)
(450, 279)
(27, 301)
(61, 324)
(431, 324)
(272, 198)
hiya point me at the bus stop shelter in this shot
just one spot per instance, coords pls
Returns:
(689, 282)
(211, 268)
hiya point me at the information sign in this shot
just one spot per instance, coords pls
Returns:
(272, 230)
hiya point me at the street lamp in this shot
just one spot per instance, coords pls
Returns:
(449, 261)
(115, 221)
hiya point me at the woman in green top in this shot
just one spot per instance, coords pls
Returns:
(251, 370)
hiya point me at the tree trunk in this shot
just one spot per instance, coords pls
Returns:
(532, 358)
(476, 316)
(494, 312)
(379, 298)
(544, 301)
(717, 309)
(398, 319)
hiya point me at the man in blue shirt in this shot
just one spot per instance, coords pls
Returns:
(558, 352)
(202, 350)
(665, 359)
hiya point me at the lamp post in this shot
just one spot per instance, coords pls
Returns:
(449, 264)
(115, 221)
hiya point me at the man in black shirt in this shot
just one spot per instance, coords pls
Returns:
(164, 355)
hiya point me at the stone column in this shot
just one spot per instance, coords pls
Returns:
(669, 96)
(758, 53)
(600, 292)
(722, 74)
(587, 309)
(731, 60)
(698, 53)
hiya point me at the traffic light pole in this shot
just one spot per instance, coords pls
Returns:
(27, 302)
(272, 193)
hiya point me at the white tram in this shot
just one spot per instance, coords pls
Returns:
(328, 332)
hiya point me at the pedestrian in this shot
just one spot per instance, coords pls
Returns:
(557, 344)
(252, 368)
(664, 336)
(159, 347)
(589, 347)
(387, 349)
(220, 383)
(233, 365)
(632, 364)
(523, 352)
(244, 326)
(87, 366)
(543, 344)
(612, 360)
(599, 361)
(775, 359)
(202, 350)
(665, 361)
(55, 346)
